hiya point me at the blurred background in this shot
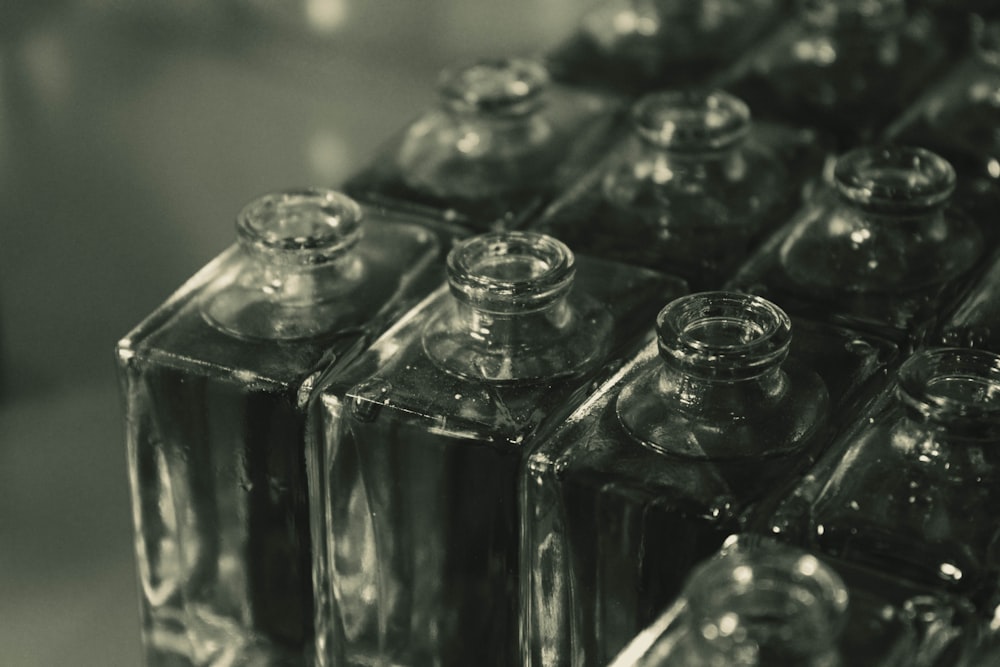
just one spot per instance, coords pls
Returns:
(131, 133)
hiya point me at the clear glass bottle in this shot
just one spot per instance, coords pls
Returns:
(215, 384)
(846, 66)
(959, 117)
(657, 468)
(910, 489)
(691, 190)
(883, 250)
(760, 603)
(501, 143)
(976, 320)
(422, 441)
(635, 46)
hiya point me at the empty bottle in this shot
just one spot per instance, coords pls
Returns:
(883, 250)
(848, 67)
(423, 439)
(215, 384)
(760, 603)
(634, 46)
(691, 190)
(655, 470)
(906, 489)
(501, 143)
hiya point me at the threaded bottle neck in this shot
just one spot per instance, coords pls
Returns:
(690, 122)
(894, 180)
(499, 88)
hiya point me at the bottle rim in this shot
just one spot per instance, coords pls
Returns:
(986, 40)
(305, 226)
(494, 87)
(718, 589)
(957, 389)
(874, 15)
(723, 335)
(894, 179)
(511, 271)
(691, 121)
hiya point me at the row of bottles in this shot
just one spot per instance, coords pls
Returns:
(336, 458)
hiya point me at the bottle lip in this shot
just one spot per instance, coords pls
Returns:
(723, 335)
(304, 226)
(986, 40)
(691, 121)
(495, 87)
(717, 594)
(957, 389)
(510, 272)
(894, 179)
(875, 15)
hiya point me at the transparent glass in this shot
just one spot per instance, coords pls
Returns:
(846, 66)
(651, 474)
(691, 190)
(959, 117)
(635, 46)
(910, 488)
(423, 439)
(761, 603)
(501, 143)
(882, 250)
(976, 320)
(215, 383)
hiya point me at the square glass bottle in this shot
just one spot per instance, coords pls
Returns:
(885, 249)
(216, 383)
(423, 439)
(636, 46)
(760, 602)
(912, 488)
(656, 469)
(847, 67)
(501, 144)
(691, 190)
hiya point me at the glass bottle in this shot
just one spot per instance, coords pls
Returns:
(846, 66)
(422, 441)
(882, 250)
(215, 384)
(690, 190)
(501, 143)
(910, 488)
(976, 320)
(653, 472)
(760, 603)
(635, 46)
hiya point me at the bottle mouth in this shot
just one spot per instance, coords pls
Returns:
(894, 179)
(498, 87)
(510, 272)
(841, 14)
(723, 335)
(301, 227)
(957, 388)
(770, 595)
(690, 121)
(986, 40)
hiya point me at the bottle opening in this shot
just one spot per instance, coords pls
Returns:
(688, 121)
(510, 272)
(778, 601)
(503, 87)
(894, 178)
(723, 334)
(956, 388)
(306, 227)
(986, 40)
(841, 14)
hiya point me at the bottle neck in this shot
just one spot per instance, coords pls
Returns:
(859, 17)
(507, 90)
(770, 605)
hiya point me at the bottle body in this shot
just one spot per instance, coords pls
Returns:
(691, 190)
(795, 608)
(884, 250)
(635, 46)
(976, 320)
(901, 490)
(215, 437)
(422, 443)
(500, 145)
(614, 522)
(843, 66)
